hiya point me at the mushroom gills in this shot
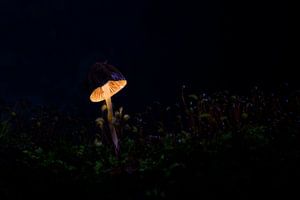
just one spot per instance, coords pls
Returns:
(107, 90)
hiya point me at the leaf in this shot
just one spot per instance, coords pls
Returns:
(205, 115)
(98, 167)
(100, 122)
(103, 107)
(193, 96)
(224, 118)
(134, 129)
(126, 117)
(121, 110)
(244, 115)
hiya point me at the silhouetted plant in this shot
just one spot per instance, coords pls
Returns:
(202, 132)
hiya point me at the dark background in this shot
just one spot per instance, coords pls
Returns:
(47, 47)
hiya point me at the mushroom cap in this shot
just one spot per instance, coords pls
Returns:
(105, 81)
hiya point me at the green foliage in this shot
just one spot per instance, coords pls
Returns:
(256, 136)
(4, 130)
(202, 135)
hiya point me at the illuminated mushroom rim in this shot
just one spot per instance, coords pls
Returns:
(105, 81)
(100, 94)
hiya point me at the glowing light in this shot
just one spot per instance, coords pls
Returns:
(106, 81)
(113, 87)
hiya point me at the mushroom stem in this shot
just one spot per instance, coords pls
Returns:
(110, 124)
(109, 109)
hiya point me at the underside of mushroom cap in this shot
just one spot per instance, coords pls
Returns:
(105, 81)
(99, 94)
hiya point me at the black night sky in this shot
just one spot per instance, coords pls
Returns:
(47, 47)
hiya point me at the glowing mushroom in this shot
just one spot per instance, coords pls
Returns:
(105, 81)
